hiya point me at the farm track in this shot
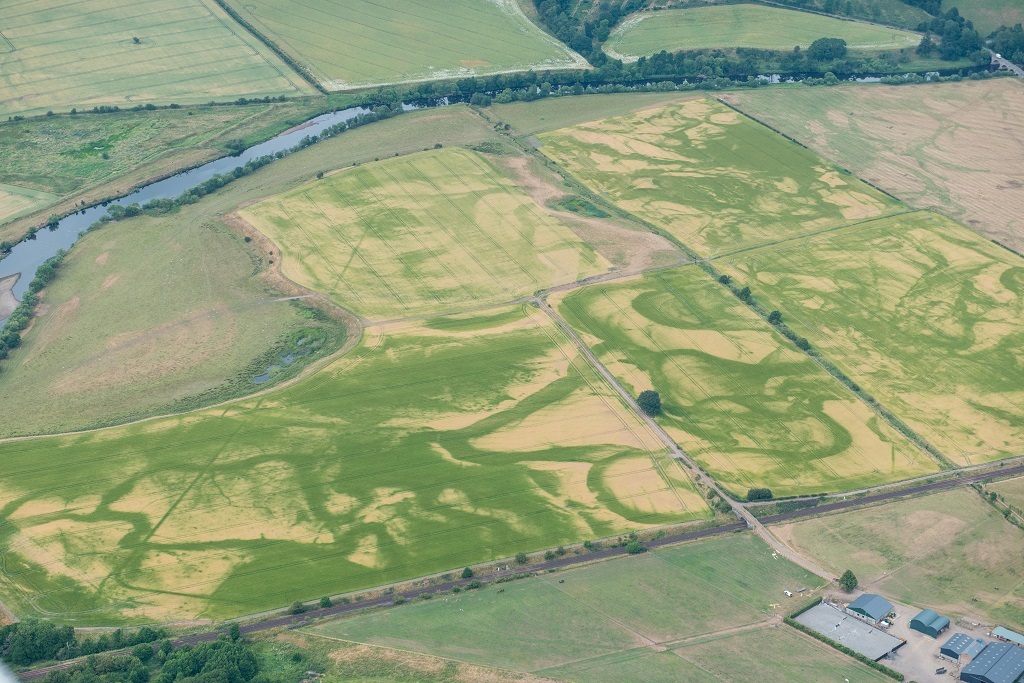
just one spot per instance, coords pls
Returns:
(297, 621)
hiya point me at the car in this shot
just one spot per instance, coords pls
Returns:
(789, 594)
(940, 671)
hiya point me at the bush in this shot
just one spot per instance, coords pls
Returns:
(521, 558)
(549, 556)
(635, 548)
(326, 602)
(467, 573)
(297, 608)
(759, 494)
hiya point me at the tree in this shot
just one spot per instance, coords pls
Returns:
(234, 632)
(325, 602)
(725, 279)
(827, 49)
(775, 317)
(319, 175)
(635, 548)
(521, 558)
(759, 494)
(649, 402)
(848, 581)
(467, 573)
(745, 295)
(296, 608)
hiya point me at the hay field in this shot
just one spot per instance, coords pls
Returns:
(753, 26)
(576, 617)
(83, 54)
(712, 178)
(429, 447)
(428, 233)
(168, 290)
(363, 43)
(952, 147)
(949, 551)
(924, 314)
(59, 160)
(739, 398)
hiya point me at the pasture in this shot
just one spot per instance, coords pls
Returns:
(736, 395)
(710, 177)
(752, 26)
(17, 200)
(589, 615)
(1011, 490)
(989, 15)
(363, 43)
(102, 347)
(85, 54)
(429, 447)
(921, 312)
(55, 159)
(427, 233)
(949, 551)
(951, 147)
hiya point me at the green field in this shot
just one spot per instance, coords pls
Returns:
(949, 551)
(359, 43)
(594, 611)
(57, 158)
(712, 178)
(83, 54)
(951, 147)
(1012, 491)
(752, 26)
(924, 314)
(753, 410)
(989, 15)
(159, 277)
(551, 113)
(428, 233)
(427, 448)
(16, 200)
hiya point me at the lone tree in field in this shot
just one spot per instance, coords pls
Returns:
(848, 581)
(649, 402)
(759, 494)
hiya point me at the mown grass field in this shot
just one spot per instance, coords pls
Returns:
(53, 159)
(921, 312)
(753, 26)
(885, 12)
(590, 615)
(170, 271)
(1012, 490)
(989, 15)
(58, 56)
(951, 147)
(429, 447)
(779, 654)
(950, 551)
(736, 395)
(360, 43)
(712, 178)
(427, 233)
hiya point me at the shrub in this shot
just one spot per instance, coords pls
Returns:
(635, 548)
(325, 602)
(296, 608)
(759, 494)
(521, 558)
(467, 573)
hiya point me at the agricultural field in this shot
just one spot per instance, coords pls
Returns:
(710, 177)
(51, 159)
(989, 15)
(949, 551)
(951, 147)
(883, 12)
(429, 447)
(752, 26)
(922, 313)
(427, 233)
(349, 44)
(683, 613)
(738, 397)
(527, 118)
(58, 56)
(115, 321)
(1011, 490)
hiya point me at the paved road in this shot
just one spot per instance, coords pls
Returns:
(1017, 71)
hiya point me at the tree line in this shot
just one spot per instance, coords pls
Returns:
(32, 640)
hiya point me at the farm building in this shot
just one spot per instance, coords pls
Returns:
(961, 647)
(929, 623)
(870, 607)
(997, 663)
(1008, 635)
(853, 633)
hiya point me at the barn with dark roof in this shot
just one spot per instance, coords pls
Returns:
(997, 663)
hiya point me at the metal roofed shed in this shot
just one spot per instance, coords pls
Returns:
(961, 646)
(849, 632)
(997, 663)
(929, 623)
(1007, 634)
(871, 607)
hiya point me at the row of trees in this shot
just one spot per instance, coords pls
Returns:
(31, 641)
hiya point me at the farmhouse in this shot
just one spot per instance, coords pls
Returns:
(962, 648)
(870, 607)
(1007, 635)
(929, 623)
(997, 663)
(850, 632)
